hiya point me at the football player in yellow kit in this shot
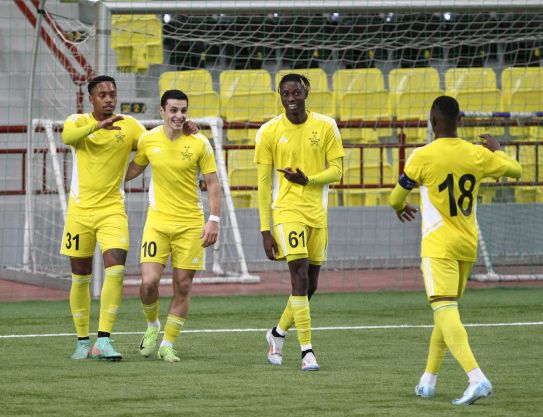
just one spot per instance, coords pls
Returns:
(449, 172)
(300, 153)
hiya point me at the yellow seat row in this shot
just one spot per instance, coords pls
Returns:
(360, 94)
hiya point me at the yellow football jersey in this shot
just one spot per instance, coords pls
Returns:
(99, 163)
(174, 194)
(449, 172)
(307, 146)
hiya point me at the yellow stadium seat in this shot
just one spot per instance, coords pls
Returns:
(242, 171)
(137, 41)
(413, 79)
(411, 93)
(527, 159)
(470, 79)
(371, 172)
(360, 95)
(245, 199)
(520, 79)
(362, 79)
(480, 101)
(246, 95)
(526, 101)
(241, 136)
(413, 105)
(476, 91)
(241, 158)
(320, 99)
(364, 106)
(198, 85)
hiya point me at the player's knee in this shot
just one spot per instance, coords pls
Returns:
(148, 287)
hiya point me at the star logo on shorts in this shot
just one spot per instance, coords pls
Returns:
(120, 137)
(314, 139)
(186, 154)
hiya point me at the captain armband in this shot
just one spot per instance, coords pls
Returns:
(407, 182)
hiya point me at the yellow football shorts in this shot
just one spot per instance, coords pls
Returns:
(183, 242)
(82, 231)
(445, 277)
(298, 241)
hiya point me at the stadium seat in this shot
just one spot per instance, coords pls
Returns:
(415, 105)
(320, 99)
(242, 171)
(137, 41)
(371, 175)
(246, 95)
(411, 93)
(476, 91)
(479, 101)
(198, 85)
(527, 159)
(413, 79)
(360, 95)
(470, 79)
(522, 89)
(526, 101)
(520, 79)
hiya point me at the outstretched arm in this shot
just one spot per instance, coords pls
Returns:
(71, 134)
(211, 228)
(133, 171)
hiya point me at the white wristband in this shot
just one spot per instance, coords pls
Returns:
(214, 218)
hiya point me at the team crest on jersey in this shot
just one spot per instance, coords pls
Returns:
(314, 139)
(186, 154)
(120, 137)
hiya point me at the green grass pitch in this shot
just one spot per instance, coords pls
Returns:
(364, 372)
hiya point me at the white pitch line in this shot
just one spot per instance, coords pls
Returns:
(254, 330)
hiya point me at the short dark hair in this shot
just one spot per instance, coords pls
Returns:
(100, 79)
(447, 107)
(298, 78)
(175, 94)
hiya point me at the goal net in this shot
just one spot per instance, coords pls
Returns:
(375, 68)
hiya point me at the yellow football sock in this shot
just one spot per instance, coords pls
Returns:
(150, 311)
(287, 318)
(110, 300)
(436, 352)
(80, 303)
(302, 318)
(447, 318)
(173, 327)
